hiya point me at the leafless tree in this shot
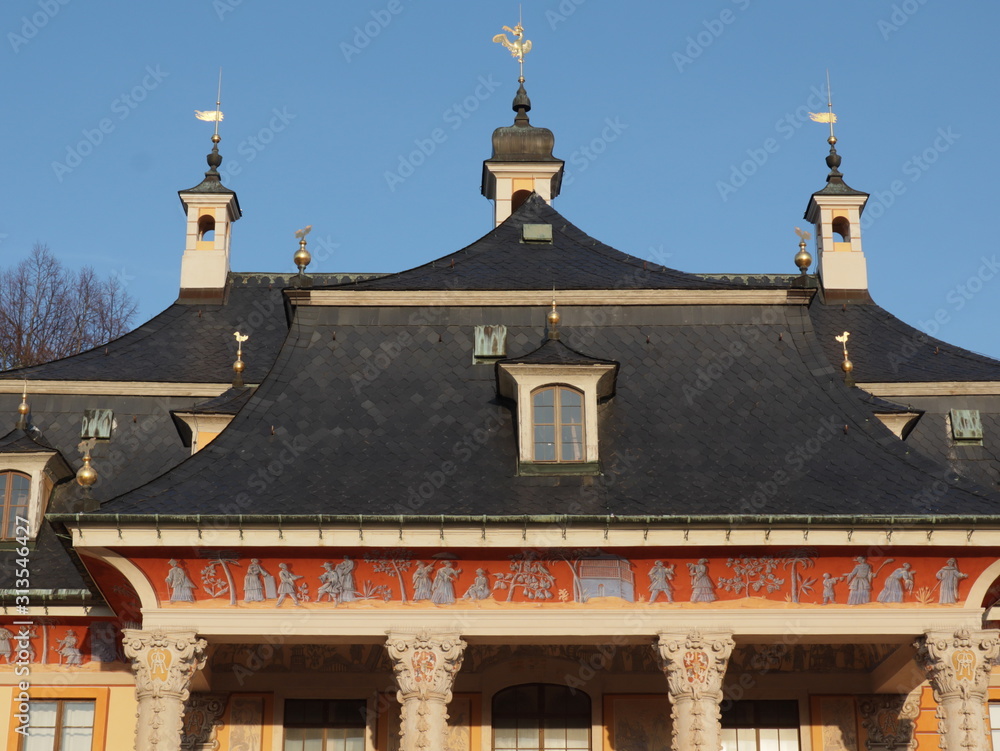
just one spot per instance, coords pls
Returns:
(48, 311)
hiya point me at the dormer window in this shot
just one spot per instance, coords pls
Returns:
(17, 493)
(558, 425)
(556, 390)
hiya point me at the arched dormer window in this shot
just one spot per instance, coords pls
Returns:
(206, 228)
(538, 716)
(16, 496)
(557, 424)
(842, 227)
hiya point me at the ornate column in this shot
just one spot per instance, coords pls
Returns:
(695, 664)
(958, 666)
(164, 663)
(425, 666)
(890, 720)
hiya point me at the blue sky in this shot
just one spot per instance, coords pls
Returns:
(682, 124)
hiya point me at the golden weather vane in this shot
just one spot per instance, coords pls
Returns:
(519, 47)
(209, 116)
(828, 116)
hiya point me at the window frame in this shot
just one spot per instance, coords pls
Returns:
(558, 423)
(97, 694)
(540, 717)
(360, 724)
(8, 520)
(518, 381)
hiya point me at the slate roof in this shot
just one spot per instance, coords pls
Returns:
(885, 349)
(190, 343)
(20, 441)
(52, 568)
(229, 402)
(573, 260)
(715, 413)
(554, 352)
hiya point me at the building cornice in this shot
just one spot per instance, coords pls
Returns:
(116, 388)
(932, 388)
(534, 298)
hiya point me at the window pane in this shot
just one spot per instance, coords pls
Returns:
(572, 415)
(43, 713)
(789, 738)
(729, 739)
(76, 739)
(570, 398)
(78, 714)
(571, 434)
(545, 415)
(20, 487)
(572, 452)
(40, 739)
(545, 398)
(768, 739)
(747, 738)
(504, 737)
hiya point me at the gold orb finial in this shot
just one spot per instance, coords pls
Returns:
(554, 318)
(239, 366)
(302, 256)
(803, 259)
(86, 476)
(847, 366)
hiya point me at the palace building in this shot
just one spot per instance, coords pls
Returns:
(537, 493)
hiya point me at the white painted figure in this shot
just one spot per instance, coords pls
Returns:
(443, 589)
(69, 653)
(181, 586)
(345, 574)
(329, 582)
(860, 582)
(422, 581)
(899, 580)
(659, 581)
(480, 588)
(829, 596)
(253, 582)
(286, 586)
(702, 588)
(950, 576)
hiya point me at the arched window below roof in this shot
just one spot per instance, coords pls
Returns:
(16, 493)
(541, 717)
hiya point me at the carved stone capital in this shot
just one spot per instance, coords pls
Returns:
(694, 664)
(890, 720)
(958, 666)
(163, 663)
(425, 665)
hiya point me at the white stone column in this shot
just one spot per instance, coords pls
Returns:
(958, 665)
(425, 665)
(164, 663)
(695, 664)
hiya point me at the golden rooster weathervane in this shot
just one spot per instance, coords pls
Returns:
(518, 48)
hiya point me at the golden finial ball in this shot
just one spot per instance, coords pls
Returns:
(553, 318)
(239, 366)
(216, 138)
(803, 259)
(86, 475)
(23, 408)
(302, 256)
(847, 366)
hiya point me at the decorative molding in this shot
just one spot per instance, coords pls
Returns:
(202, 720)
(890, 720)
(935, 388)
(117, 388)
(535, 298)
(163, 663)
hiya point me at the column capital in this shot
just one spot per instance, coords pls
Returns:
(425, 663)
(958, 666)
(958, 663)
(695, 662)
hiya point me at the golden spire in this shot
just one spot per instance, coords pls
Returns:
(803, 259)
(553, 319)
(828, 116)
(519, 47)
(302, 256)
(217, 116)
(86, 476)
(847, 366)
(239, 366)
(23, 410)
